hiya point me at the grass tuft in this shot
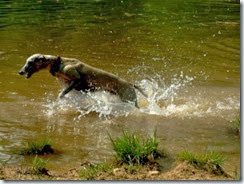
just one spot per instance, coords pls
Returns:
(237, 175)
(237, 125)
(39, 166)
(210, 161)
(38, 147)
(132, 169)
(91, 171)
(132, 149)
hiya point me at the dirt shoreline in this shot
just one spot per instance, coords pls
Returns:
(181, 171)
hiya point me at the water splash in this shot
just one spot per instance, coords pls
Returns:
(161, 97)
(177, 98)
(80, 103)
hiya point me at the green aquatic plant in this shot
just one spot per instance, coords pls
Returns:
(39, 166)
(90, 172)
(38, 147)
(130, 148)
(211, 161)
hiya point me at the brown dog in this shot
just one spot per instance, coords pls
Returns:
(80, 76)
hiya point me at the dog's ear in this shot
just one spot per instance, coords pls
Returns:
(58, 59)
(55, 66)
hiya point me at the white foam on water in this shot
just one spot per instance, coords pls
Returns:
(164, 100)
(101, 102)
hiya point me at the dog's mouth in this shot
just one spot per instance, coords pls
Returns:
(21, 72)
(28, 74)
(28, 70)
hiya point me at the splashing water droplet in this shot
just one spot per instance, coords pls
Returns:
(176, 98)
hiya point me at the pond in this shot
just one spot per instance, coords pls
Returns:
(184, 54)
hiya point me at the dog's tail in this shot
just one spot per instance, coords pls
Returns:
(141, 91)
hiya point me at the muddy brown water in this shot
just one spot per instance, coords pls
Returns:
(185, 55)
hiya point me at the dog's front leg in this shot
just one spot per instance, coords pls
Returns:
(71, 86)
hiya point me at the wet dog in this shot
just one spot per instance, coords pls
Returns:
(80, 76)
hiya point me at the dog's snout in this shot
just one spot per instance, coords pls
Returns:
(21, 72)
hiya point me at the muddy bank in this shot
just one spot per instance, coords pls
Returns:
(181, 171)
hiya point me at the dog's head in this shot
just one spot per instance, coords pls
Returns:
(33, 64)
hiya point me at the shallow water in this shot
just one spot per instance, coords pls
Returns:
(184, 55)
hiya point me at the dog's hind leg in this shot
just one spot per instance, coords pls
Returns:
(128, 94)
(140, 90)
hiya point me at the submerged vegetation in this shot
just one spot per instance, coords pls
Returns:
(130, 148)
(210, 161)
(38, 147)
